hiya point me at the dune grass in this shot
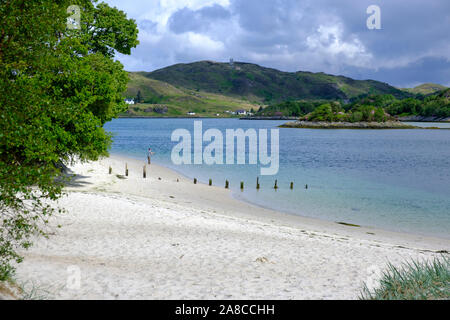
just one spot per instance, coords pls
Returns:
(413, 281)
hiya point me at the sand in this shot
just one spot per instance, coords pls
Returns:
(159, 238)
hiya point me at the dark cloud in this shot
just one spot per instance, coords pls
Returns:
(147, 25)
(424, 70)
(186, 20)
(410, 28)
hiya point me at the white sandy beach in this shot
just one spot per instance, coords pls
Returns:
(138, 238)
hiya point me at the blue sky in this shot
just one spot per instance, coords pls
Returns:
(331, 36)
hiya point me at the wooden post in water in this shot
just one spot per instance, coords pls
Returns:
(227, 184)
(306, 187)
(110, 170)
(292, 186)
(257, 183)
(195, 180)
(210, 182)
(242, 185)
(144, 172)
(126, 169)
(276, 185)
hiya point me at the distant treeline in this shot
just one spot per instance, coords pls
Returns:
(365, 108)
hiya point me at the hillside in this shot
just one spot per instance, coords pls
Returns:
(426, 89)
(162, 99)
(265, 85)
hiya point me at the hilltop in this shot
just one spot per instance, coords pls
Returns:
(426, 89)
(265, 85)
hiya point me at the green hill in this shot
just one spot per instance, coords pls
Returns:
(426, 89)
(264, 85)
(162, 99)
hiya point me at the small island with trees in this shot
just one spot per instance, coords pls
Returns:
(369, 112)
(333, 116)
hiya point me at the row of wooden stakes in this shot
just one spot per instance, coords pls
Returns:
(144, 171)
(258, 186)
(227, 183)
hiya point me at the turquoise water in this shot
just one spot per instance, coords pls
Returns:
(443, 125)
(397, 180)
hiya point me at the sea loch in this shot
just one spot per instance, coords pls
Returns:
(397, 180)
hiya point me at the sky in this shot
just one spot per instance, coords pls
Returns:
(411, 47)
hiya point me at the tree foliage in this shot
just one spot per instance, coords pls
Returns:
(435, 105)
(322, 113)
(377, 108)
(291, 108)
(58, 87)
(138, 98)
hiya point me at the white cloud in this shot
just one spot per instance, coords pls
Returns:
(328, 43)
(160, 10)
(202, 42)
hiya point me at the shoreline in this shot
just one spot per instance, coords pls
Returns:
(348, 125)
(165, 238)
(290, 217)
(253, 118)
(174, 117)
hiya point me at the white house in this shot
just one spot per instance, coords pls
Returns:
(191, 113)
(241, 112)
(129, 101)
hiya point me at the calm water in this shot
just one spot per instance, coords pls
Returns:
(392, 179)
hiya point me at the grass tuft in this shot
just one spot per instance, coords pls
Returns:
(413, 281)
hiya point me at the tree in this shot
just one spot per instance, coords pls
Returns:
(336, 107)
(367, 112)
(356, 116)
(58, 87)
(322, 113)
(138, 97)
(379, 115)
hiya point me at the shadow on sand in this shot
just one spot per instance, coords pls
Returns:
(69, 179)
